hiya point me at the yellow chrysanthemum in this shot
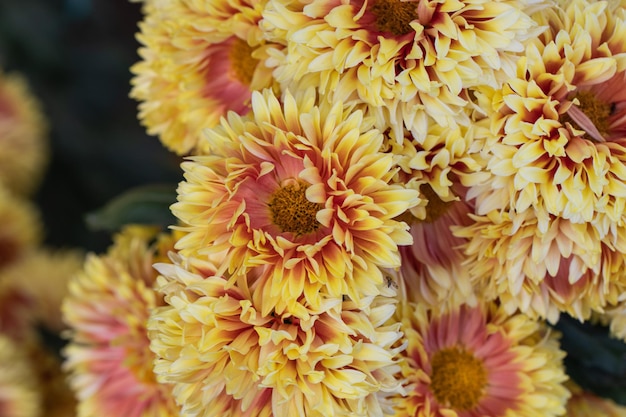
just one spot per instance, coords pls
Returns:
(19, 395)
(586, 404)
(42, 275)
(564, 268)
(21, 229)
(479, 362)
(23, 136)
(559, 145)
(401, 58)
(199, 61)
(446, 158)
(302, 188)
(216, 346)
(108, 357)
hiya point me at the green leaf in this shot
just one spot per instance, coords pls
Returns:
(595, 360)
(148, 204)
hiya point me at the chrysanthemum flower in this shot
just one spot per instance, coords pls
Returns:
(107, 309)
(403, 59)
(199, 61)
(479, 362)
(301, 188)
(42, 276)
(23, 140)
(586, 404)
(564, 268)
(216, 346)
(21, 229)
(436, 165)
(559, 125)
(432, 269)
(19, 395)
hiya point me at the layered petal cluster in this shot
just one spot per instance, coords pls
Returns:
(199, 60)
(559, 125)
(303, 190)
(479, 362)
(403, 59)
(23, 136)
(19, 394)
(440, 164)
(224, 355)
(108, 356)
(567, 267)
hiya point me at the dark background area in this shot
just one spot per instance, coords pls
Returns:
(76, 56)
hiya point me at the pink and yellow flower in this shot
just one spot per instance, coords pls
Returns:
(199, 61)
(108, 356)
(403, 59)
(479, 362)
(586, 404)
(559, 125)
(302, 190)
(542, 272)
(219, 350)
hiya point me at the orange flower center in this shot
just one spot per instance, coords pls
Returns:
(591, 115)
(292, 211)
(458, 378)
(241, 61)
(394, 16)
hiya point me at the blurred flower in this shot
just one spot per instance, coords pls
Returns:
(301, 188)
(560, 124)
(23, 136)
(19, 395)
(108, 357)
(566, 268)
(41, 276)
(199, 60)
(479, 362)
(404, 59)
(214, 344)
(586, 404)
(21, 228)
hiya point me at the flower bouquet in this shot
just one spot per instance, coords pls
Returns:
(386, 208)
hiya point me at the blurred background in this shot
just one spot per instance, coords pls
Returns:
(76, 55)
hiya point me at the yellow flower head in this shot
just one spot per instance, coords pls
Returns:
(302, 190)
(23, 136)
(565, 267)
(108, 356)
(559, 125)
(479, 362)
(398, 57)
(216, 346)
(199, 61)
